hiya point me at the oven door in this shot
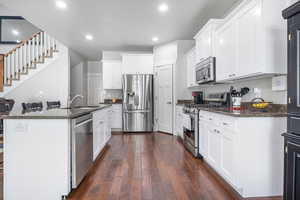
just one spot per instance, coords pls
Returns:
(190, 136)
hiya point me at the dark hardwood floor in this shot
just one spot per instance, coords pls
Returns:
(150, 167)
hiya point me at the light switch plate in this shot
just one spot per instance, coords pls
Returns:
(279, 83)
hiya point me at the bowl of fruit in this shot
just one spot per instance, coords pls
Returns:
(260, 104)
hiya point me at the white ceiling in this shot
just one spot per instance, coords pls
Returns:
(119, 24)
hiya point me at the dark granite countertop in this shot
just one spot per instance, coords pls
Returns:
(57, 113)
(245, 113)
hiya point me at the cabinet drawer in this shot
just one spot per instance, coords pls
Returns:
(228, 122)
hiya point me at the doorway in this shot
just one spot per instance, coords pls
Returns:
(164, 98)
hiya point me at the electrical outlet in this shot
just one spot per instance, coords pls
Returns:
(257, 92)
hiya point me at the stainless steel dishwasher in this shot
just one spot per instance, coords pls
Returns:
(82, 147)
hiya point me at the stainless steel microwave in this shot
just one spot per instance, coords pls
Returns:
(206, 70)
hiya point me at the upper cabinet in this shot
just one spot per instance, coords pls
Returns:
(205, 40)
(251, 41)
(137, 64)
(190, 65)
(226, 51)
(112, 75)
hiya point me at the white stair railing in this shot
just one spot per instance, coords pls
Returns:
(27, 55)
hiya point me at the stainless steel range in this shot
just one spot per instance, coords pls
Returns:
(190, 129)
(191, 119)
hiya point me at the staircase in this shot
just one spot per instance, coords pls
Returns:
(25, 57)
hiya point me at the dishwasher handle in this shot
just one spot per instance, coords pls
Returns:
(82, 123)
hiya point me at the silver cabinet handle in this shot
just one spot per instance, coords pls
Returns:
(82, 123)
(225, 124)
(169, 102)
(210, 119)
(297, 118)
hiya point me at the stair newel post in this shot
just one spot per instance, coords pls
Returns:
(46, 44)
(24, 57)
(12, 64)
(7, 68)
(32, 47)
(42, 47)
(29, 60)
(19, 58)
(36, 50)
(1, 72)
(38, 45)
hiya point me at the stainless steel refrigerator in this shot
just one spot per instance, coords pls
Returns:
(137, 102)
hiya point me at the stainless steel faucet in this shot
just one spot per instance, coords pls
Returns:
(74, 98)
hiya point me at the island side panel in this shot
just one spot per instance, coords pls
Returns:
(260, 153)
(36, 159)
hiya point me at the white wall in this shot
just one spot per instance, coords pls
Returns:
(78, 80)
(265, 85)
(95, 85)
(4, 11)
(51, 83)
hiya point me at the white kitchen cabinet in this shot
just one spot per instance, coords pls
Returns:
(137, 64)
(112, 76)
(205, 40)
(235, 143)
(227, 165)
(248, 23)
(214, 148)
(178, 121)
(203, 136)
(226, 51)
(101, 129)
(190, 67)
(116, 115)
(247, 45)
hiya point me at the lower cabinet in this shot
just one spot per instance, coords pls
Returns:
(227, 165)
(178, 121)
(203, 137)
(232, 146)
(292, 168)
(214, 148)
(101, 130)
(116, 115)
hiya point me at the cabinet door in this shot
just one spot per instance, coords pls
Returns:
(112, 77)
(203, 138)
(206, 43)
(226, 51)
(214, 147)
(179, 126)
(227, 156)
(293, 65)
(248, 41)
(292, 171)
(116, 120)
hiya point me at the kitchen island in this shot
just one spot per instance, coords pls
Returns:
(39, 150)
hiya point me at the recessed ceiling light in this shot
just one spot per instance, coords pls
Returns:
(61, 4)
(15, 32)
(163, 7)
(155, 39)
(89, 37)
